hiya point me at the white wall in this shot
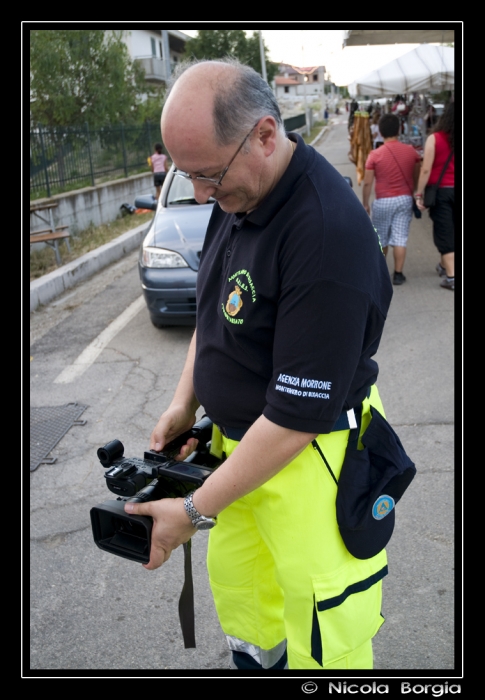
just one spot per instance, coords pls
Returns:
(280, 91)
(141, 44)
(95, 205)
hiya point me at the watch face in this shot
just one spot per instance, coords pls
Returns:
(205, 524)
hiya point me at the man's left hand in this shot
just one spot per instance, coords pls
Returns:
(171, 527)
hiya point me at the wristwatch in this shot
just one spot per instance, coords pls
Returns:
(200, 522)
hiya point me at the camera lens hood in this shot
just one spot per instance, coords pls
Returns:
(117, 532)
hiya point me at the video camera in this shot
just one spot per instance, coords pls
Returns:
(157, 475)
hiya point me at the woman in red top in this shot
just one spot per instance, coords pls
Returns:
(437, 148)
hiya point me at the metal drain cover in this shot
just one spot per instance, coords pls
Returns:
(48, 424)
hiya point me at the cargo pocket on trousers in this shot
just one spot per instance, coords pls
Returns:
(347, 608)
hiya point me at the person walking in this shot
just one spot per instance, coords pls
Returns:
(377, 139)
(158, 164)
(395, 169)
(292, 295)
(439, 169)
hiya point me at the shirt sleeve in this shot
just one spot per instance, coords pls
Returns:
(322, 332)
(369, 163)
(328, 323)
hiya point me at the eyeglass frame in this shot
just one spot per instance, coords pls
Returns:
(210, 180)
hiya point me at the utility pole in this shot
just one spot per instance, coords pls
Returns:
(263, 58)
(307, 121)
(323, 93)
(166, 55)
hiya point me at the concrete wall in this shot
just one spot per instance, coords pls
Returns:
(97, 205)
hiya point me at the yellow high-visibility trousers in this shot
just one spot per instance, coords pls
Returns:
(286, 590)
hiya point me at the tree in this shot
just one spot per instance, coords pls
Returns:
(83, 76)
(218, 43)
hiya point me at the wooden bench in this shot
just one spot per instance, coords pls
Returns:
(48, 230)
(46, 235)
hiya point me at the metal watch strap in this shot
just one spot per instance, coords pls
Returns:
(192, 511)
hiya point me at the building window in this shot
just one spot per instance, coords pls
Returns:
(287, 89)
(315, 77)
(154, 48)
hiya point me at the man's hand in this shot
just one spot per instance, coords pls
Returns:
(171, 527)
(180, 416)
(171, 424)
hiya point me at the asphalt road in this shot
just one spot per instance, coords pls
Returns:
(96, 614)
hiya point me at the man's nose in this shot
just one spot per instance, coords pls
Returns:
(203, 191)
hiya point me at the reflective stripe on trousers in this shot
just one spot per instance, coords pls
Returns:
(247, 656)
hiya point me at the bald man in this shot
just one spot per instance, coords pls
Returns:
(292, 295)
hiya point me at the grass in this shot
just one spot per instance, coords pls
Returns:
(43, 261)
(314, 131)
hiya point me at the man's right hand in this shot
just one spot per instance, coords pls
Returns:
(172, 423)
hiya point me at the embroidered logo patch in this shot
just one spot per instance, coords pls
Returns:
(382, 507)
(243, 285)
(234, 301)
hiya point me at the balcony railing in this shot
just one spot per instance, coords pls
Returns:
(155, 68)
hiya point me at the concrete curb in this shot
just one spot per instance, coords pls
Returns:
(52, 285)
(319, 136)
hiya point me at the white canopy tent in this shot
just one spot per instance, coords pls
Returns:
(444, 33)
(424, 69)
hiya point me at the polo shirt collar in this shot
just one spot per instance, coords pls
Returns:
(278, 196)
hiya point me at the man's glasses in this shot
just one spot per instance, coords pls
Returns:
(212, 180)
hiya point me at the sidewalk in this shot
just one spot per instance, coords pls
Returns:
(416, 383)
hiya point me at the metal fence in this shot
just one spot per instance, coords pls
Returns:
(296, 122)
(64, 159)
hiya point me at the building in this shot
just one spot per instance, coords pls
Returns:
(285, 86)
(294, 81)
(157, 50)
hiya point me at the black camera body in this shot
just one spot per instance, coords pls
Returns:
(157, 475)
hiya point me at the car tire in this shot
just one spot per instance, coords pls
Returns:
(157, 323)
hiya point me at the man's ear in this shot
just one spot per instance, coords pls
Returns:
(267, 132)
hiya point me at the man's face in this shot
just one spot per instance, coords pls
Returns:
(241, 189)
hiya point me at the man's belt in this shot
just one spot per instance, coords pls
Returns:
(233, 433)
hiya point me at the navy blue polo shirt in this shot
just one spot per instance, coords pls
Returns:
(291, 303)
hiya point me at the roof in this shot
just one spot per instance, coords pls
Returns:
(285, 81)
(287, 68)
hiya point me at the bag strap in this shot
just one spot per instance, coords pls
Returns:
(186, 601)
(444, 169)
(354, 435)
(397, 162)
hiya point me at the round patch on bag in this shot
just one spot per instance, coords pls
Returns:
(382, 507)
